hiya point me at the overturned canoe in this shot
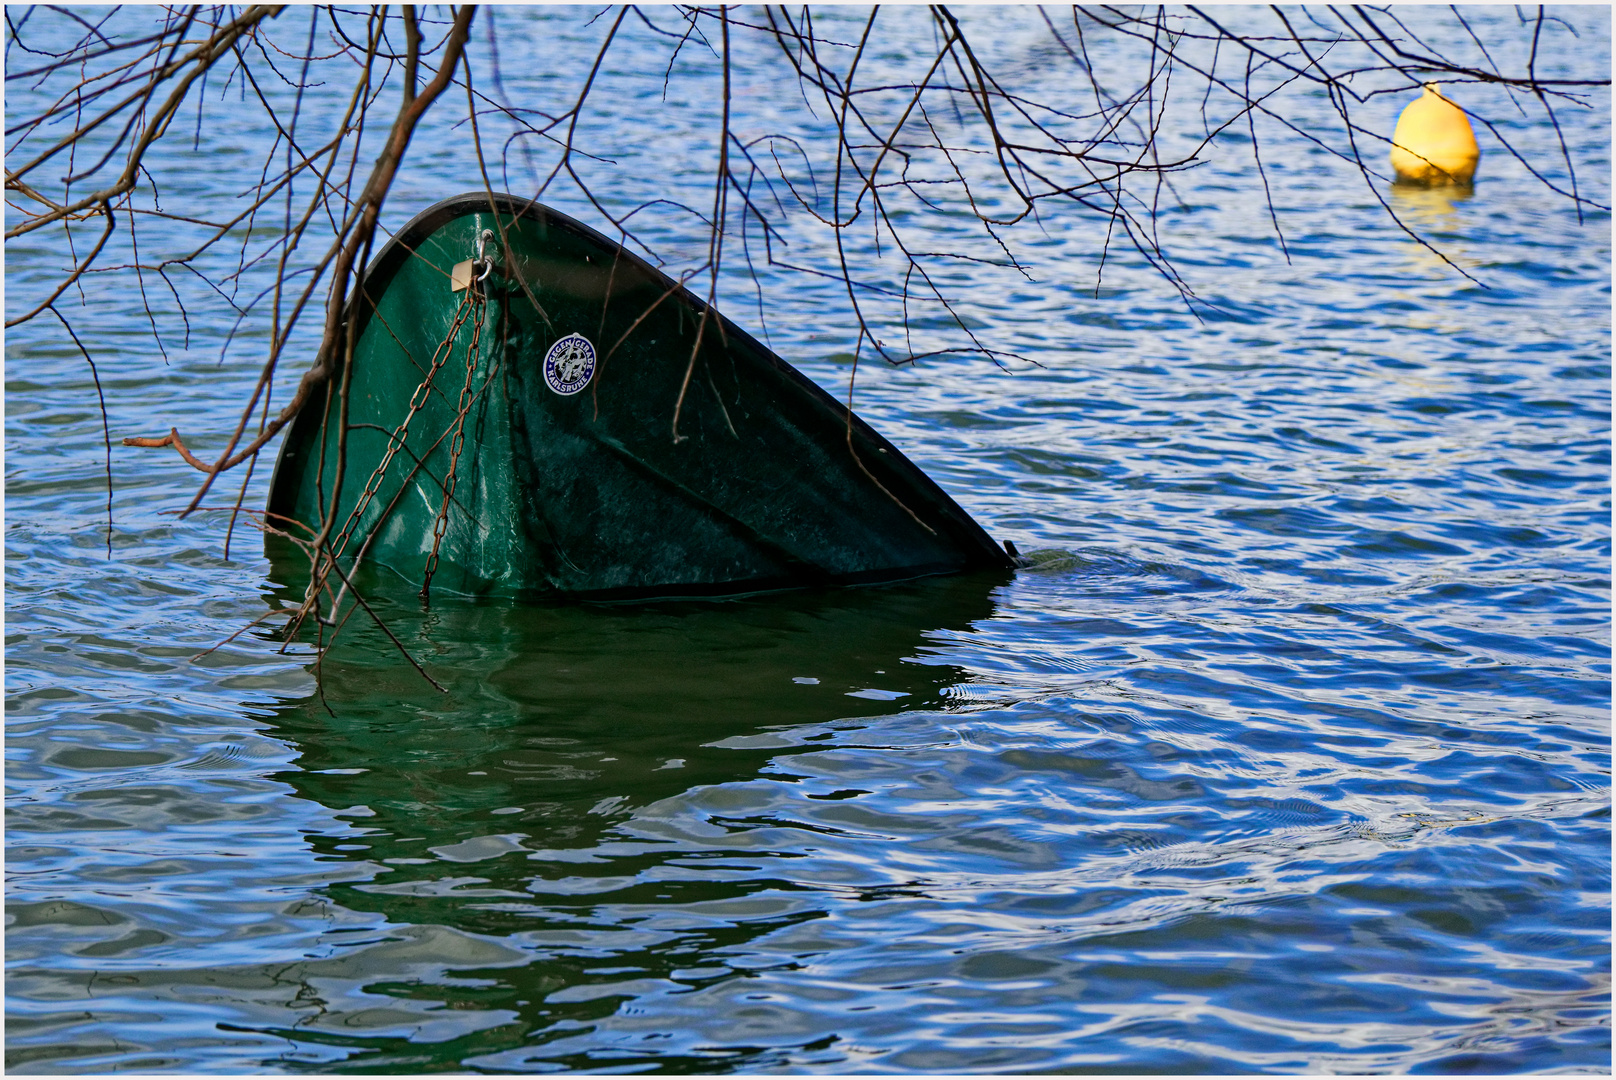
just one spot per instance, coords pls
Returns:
(510, 428)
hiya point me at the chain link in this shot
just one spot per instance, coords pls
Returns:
(463, 406)
(402, 432)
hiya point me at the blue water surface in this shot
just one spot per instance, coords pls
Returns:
(1290, 751)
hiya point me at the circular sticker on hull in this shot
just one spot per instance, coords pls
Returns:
(569, 364)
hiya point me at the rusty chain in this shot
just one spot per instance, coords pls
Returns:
(440, 526)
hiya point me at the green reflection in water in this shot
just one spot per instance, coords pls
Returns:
(495, 810)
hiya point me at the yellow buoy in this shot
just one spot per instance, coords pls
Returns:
(1433, 143)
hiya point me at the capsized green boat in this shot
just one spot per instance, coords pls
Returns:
(511, 430)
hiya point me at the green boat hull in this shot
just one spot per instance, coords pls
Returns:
(531, 421)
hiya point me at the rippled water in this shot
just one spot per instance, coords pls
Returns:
(1290, 753)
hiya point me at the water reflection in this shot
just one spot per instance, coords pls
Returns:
(562, 719)
(1431, 207)
(491, 811)
(1439, 215)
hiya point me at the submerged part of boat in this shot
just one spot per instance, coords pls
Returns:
(534, 410)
